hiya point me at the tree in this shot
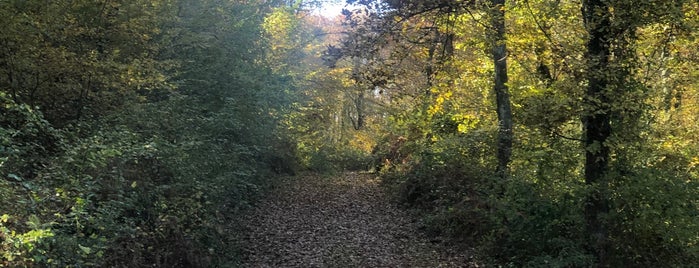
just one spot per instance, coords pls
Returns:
(502, 95)
(576, 79)
(162, 124)
(81, 58)
(610, 99)
(597, 123)
(432, 23)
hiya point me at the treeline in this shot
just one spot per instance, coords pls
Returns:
(544, 133)
(133, 132)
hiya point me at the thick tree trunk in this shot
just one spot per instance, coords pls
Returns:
(502, 95)
(597, 126)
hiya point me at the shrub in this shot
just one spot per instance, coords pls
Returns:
(447, 181)
(531, 227)
(653, 222)
(521, 222)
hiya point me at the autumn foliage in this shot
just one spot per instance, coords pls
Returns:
(542, 133)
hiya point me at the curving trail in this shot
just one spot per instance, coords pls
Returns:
(344, 221)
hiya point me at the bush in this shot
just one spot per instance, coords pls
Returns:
(332, 159)
(27, 140)
(531, 227)
(27, 144)
(130, 192)
(536, 217)
(447, 181)
(521, 222)
(654, 219)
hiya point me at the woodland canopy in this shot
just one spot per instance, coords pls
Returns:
(543, 133)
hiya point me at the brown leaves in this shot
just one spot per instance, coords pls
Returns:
(346, 221)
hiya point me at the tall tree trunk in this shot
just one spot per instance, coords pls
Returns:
(502, 95)
(360, 110)
(596, 123)
(429, 68)
(358, 123)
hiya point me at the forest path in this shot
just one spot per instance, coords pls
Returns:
(342, 221)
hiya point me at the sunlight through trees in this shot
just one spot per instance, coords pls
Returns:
(546, 133)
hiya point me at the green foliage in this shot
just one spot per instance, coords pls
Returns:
(22, 249)
(133, 132)
(81, 58)
(26, 139)
(535, 219)
(449, 180)
(654, 218)
(522, 222)
(127, 172)
(26, 142)
(536, 216)
(533, 227)
(139, 194)
(353, 159)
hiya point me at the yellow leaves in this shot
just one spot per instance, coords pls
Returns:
(439, 102)
(694, 163)
(280, 26)
(15, 245)
(362, 141)
(466, 122)
(279, 22)
(347, 82)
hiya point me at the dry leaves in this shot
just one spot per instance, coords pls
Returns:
(345, 221)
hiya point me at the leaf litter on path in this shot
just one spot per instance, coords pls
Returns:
(343, 221)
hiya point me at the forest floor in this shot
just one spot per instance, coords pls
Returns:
(341, 221)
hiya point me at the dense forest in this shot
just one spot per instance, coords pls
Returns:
(542, 133)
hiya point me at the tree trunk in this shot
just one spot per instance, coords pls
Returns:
(360, 110)
(358, 123)
(502, 95)
(597, 126)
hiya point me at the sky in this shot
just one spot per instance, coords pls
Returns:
(330, 9)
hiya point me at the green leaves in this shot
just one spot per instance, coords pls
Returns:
(22, 248)
(621, 76)
(79, 58)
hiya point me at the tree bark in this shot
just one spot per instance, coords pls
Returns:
(597, 125)
(358, 123)
(502, 95)
(360, 110)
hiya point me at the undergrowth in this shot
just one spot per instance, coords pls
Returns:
(535, 217)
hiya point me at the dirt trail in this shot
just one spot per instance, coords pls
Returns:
(344, 221)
